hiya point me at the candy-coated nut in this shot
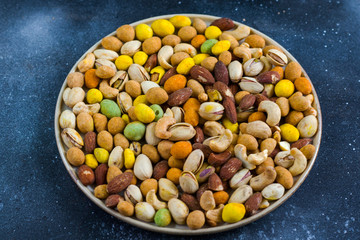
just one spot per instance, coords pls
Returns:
(75, 79)
(111, 43)
(207, 45)
(101, 155)
(162, 217)
(171, 40)
(123, 62)
(143, 31)
(162, 27)
(90, 161)
(198, 58)
(100, 122)
(284, 177)
(151, 45)
(176, 58)
(212, 32)
(173, 174)
(308, 151)
(289, 132)
(279, 70)
(209, 63)
(94, 96)
(112, 172)
(105, 140)
(294, 117)
(125, 33)
(248, 141)
(191, 108)
(199, 25)
(133, 88)
(100, 191)
(140, 58)
(292, 71)
(233, 212)
(105, 72)
(135, 131)
(221, 197)
(225, 57)
(195, 220)
(147, 185)
(85, 122)
(126, 118)
(175, 163)
(181, 149)
(121, 140)
(156, 95)
(303, 85)
(198, 40)
(175, 83)
(75, 156)
(144, 113)
(284, 88)
(157, 71)
(187, 33)
(233, 127)
(220, 47)
(185, 66)
(129, 158)
(151, 152)
(255, 116)
(164, 148)
(116, 125)
(140, 99)
(180, 21)
(255, 41)
(91, 80)
(109, 108)
(125, 208)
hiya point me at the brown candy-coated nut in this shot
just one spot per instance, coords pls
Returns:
(105, 72)
(229, 169)
(75, 156)
(125, 208)
(85, 122)
(255, 41)
(225, 57)
(230, 109)
(121, 140)
(112, 200)
(223, 23)
(75, 79)
(202, 75)
(221, 72)
(204, 148)
(284, 177)
(301, 143)
(171, 40)
(199, 136)
(195, 219)
(160, 169)
(187, 33)
(112, 172)
(119, 183)
(294, 117)
(248, 141)
(253, 203)
(215, 183)
(201, 190)
(116, 125)
(171, 72)
(157, 95)
(218, 159)
(111, 43)
(175, 163)
(268, 77)
(293, 71)
(86, 175)
(125, 33)
(147, 185)
(151, 152)
(100, 122)
(105, 140)
(269, 144)
(100, 174)
(89, 142)
(151, 45)
(100, 191)
(209, 63)
(308, 151)
(133, 88)
(164, 148)
(247, 101)
(179, 97)
(224, 90)
(190, 201)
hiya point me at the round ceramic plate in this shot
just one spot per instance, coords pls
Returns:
(174, 228)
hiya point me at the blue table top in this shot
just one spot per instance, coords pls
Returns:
(40, 41)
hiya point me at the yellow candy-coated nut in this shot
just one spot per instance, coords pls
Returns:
(94, 96)
(185, 66)
(143, 32)
(129, 158)
(101, 155)
(289, 132)
(180, 21)
(233, 212)
(163, 27)
(140, 58)
(144, 113)
(212, 32)
(284, 88)
(233, 127)
(160, 70)
(126, 118)
(140, 99)
(123, 62)
(90, 161)
(220, 46)
(198, 58)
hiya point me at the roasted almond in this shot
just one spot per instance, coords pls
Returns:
(119, 183)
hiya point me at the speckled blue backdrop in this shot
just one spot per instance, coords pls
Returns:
(40, 41)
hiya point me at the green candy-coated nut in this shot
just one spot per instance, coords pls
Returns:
(207, 45)
(134, 131)
(162, 217)
(101, 155)
(158, 111)
(109, 108)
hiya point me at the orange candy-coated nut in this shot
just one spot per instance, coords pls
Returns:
(198, 40)
(221, 197)
(91, 80)
(175, 83)
(303, 85)
(173, 175)
(257, 116)
(279, 70)
(181, 150)
(191, 108)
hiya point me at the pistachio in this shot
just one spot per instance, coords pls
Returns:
(143, 168)
(144, 211)
(119, 80)
(167, 189)
(276, 57)
(181, 132)
(104, 62)
(72, 138)
(204, 174)
(67, 119)
(136, 148)
(133, 194)
(241, 194)
(253, 67)
(178, 209)
(211, 111)
(150, 134)
(188, 182)
(130, 48)
(138, 73)
(147, 85)
(235, 71)
(240, 178)
(178, 113)
(106, 54)
(251, 85)
(124, 101)
(116, 157)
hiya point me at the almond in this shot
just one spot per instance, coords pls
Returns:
(215, 183)
(86, 175)
(179, 97)
(229, 169)
(218, 159)
(89, 142)
(223, 23)
(119, 183)
(253, 203)
(171, 72)
(190, 201)
(224, 90)
(230, 109)
(221, 73)
(268, 77)
(160, 169)
(202, 75)
(112, 200)
(301, 143)
(100, 174)
(247, 101)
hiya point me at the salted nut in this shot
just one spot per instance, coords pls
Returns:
(211, 111)
(167, 189)
(194, 161)
(235, 71)
(88, 108)
(253, 67)
(251, 85)
(130, 48)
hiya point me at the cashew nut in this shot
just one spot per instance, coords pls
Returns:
(240, 32)
(258, 158)
(108, 91)
(300, 162)
(222, 142)
(233, 42)
(150, 134)
(272, 110)
(258, 129)
(154, 201)
(299, 102)
(213, 128)
(161, 128)
(259, 182)
(284, 159)
(242, 52)
(256, 52)
(185, 47)
(213, 217)
(87, 63)
(164, 56)
(240, 153)
(88, 108)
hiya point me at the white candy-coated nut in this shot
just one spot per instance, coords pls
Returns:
(273, 191)
(300, 162)
(241, 194)
(144, 211)
(272, 110)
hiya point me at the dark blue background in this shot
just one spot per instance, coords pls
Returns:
(41, 41)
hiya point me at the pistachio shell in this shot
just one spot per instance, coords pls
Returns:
(178, 209)
(133, 194)
(143, 168)
(188, 182)
(194, 161)
(241, 194)
(67, 119)
(119, 80)
(116, 157)
(130, 48)
(144, 211)
(104, 62)
(181, 132)
(106, 54)
(146, 85)
(138, 73)
(124, 101)
(167, 189)
(211, 111)
(72, 138)
(240, 178)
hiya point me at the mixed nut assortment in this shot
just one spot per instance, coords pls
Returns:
(184, 122)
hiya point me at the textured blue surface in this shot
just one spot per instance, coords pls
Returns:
(41, 41)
